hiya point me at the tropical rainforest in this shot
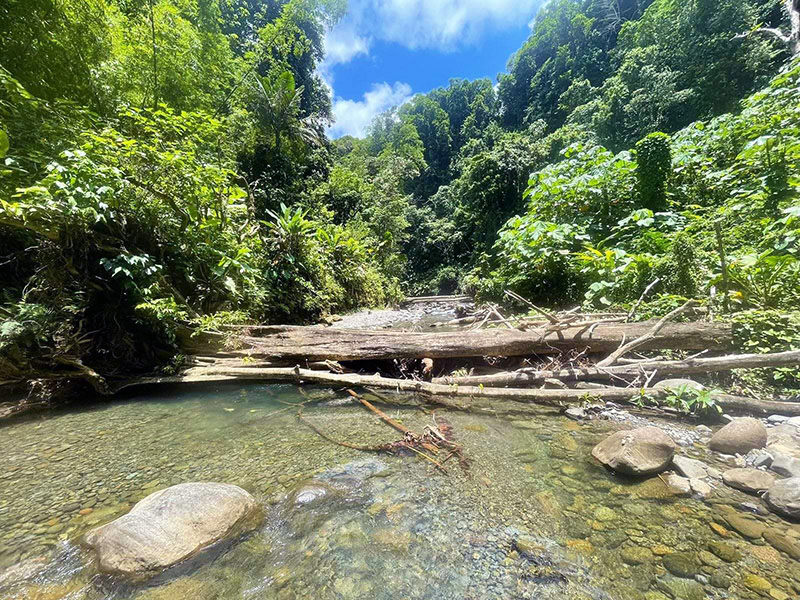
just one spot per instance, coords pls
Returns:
(165, 162)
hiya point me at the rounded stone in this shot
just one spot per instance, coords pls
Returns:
(756, 583)
(739, 436)
(748, 480)
(642, 451)
(604, 514)
(636, 555)
(783, 497)
(725, 551)
(681, 564)
(720, 580)
(171, 525)
(780, 541)
(745, 527)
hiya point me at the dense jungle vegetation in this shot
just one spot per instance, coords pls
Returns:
(165, 162)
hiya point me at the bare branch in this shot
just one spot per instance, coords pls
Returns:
(622, 350)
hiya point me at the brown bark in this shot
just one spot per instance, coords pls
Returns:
(437, 393)
(299, 344)
(673, 367)
(426, 299)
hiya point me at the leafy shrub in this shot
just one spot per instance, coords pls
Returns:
(532, 258)
(764, 281)
(764, 331)
(683, 267)
(654, 165)
(691, 401)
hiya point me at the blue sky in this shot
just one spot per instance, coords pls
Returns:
(385, 51)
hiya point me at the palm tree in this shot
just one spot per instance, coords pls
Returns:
(280, 109)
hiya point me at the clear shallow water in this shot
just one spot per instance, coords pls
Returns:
(395, 528)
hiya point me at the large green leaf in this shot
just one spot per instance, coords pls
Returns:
(4, 143)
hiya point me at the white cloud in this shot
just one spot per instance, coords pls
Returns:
(433, 24)
(353, 117)
(439, 24)
(343, 44)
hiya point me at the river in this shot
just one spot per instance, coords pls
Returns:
(534, 516)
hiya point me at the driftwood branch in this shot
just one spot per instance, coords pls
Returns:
(674, 367)
(646, 291)
(439, 394)
(647, 337)
(436, 299)
(541, 311)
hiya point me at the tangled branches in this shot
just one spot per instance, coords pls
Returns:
(434, 440)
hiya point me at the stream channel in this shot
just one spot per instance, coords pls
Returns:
(535, 516)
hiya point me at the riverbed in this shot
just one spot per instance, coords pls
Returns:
(534, 516)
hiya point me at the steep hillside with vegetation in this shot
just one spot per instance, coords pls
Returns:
(155, 160)
(595, 75)
(165, 163)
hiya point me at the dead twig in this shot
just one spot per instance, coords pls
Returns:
(640, 341)
(541, 311)
(646, 291)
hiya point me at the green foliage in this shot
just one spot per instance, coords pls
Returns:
(532, 258)
(691, 401)
(722, 170)
(764, 331)
(5, 144)
(683, 267)
(118, 225)
(765, 281)
(55, 47)
(653, 167)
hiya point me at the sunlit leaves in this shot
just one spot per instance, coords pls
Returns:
(5, 144)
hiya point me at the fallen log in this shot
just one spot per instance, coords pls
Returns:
(300, 344)
(438, 394)
(647, 337)
(691, 366)
(425, 299)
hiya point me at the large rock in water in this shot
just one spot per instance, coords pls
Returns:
(641, 451)
(783, 497)
(748, 480)
(739, 436)
(785, 440)
(171, 525)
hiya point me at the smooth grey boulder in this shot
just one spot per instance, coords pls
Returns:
(679, 486)
(700, 488)
(787, 466)
(690, 467)
(739, 436)
(748, 480)
(784, 439)
(642, 451)
(170, 526)
(777, 419)
(575, 413)
(312, 493)
(783, 497)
